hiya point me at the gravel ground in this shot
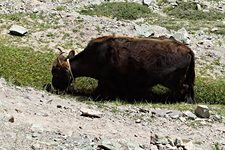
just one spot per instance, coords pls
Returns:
(31, 119)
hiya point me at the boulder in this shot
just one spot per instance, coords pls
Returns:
(202, 111)
(149, 2)
(17, 30)
(182, 36)
(147, 30)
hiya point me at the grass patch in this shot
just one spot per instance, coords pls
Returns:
(217, 147)
(119, 10)
(32, 21)
(24, 67)
(188, 10)
(60, 8)
(210, 91)
(85, 84)
(13, 17)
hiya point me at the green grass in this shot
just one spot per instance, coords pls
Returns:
(210, 91)
(34, 22)
(188, 10)
(24, 67)
(119, 10)
(13, 17)
(60, 8)
(217, 147)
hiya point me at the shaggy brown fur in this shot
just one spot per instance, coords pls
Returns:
(129, 67)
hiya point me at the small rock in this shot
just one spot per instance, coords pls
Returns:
(178, 142)
(189, 146)
(214, 29)
(17, 30)
(174, 114)
(182, 119)
(182, 36)
(205, 10)
(202, 111)
(11, 118)
(35, 135)
(199, 7)
(59, 106)
(190, 115)
(160, 112)
(142, 110)
(144, 30)
(138, 121)
(222, 142)
(154, 138)
(91, 113)
(171, 142)
(37, 128)
(153, 147)
(118, 145)
(216, 117)
(163, 141)
(35, 146)
(6, 117)
(18, 111)
(170, 147)
(35, 10)
(172, 2)
(180, 148)
(148, 2)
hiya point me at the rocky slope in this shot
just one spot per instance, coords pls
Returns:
(31, 119)
(58, 23)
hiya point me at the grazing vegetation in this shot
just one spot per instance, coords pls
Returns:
(23, 66)
(26, 67)
(217, 147)
(119, 10)
(188, 10)
(184, 15)
(210, 91)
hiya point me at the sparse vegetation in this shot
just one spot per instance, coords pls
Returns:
(186, 15)
(60, 8)
(217, 147)
(23, 66)
(188, 10)
(13, 17)
(119, 10)
(210, 91)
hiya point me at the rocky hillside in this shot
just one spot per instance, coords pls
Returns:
(60, 23)
(35, 120)
(31, 119)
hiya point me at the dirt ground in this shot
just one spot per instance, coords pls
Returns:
(32, 119)
(36, 120)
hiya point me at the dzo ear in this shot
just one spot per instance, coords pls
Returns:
(71, 54)
(62, 62)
